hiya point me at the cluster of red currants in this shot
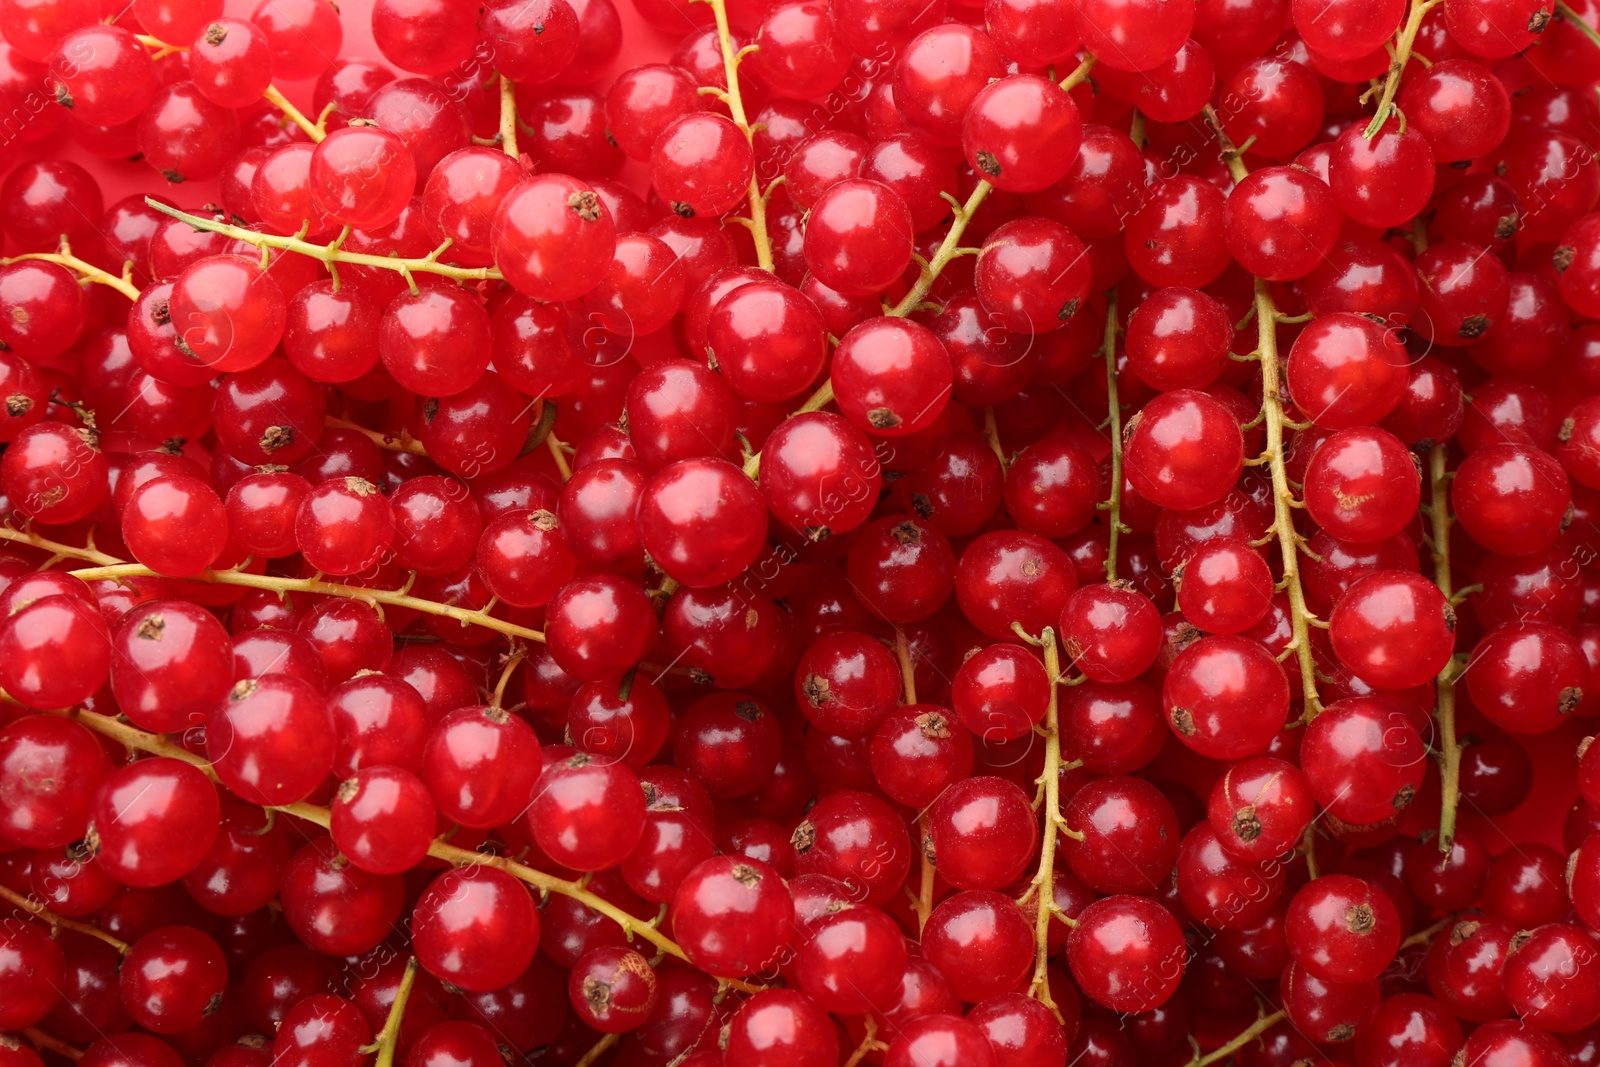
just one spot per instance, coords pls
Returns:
(1033, 541)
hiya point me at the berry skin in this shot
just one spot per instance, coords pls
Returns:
(981, 941)
(891, 376)
(1225, 697)
(1133, 35)
(1032, 275)
(1363, 759)
(1394, 629)
(1185, 451)
(553, 237)
(476, 928)
(732, 916)
(1021, 133)
(52, 768)
(587, 813)
(858, 237)
(1346, 370)
(271, 739)
(1342, 929)
(171, 979)
(155, 820)
(1259, 808)
(1127, 953)
(1511, 498)
(613, 989)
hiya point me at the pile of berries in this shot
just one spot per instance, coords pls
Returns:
(921, 533)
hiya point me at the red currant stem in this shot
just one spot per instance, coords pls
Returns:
(157, 43)
(659, 596)
(389, 1036)
(322, 120)
(539, 880)
(132, 737)
(817, 401)
(544, 423)
(991, 434)
(908, 674)
(1136, 129)
(558, 453)
(598, 1049)
(1043, 884)
(1406, 40)
(508, 117)
(950, 248)
(1445, 712)
(51, 1042)
(1565, 11)
(330, 254)
(372, 597)
(403, 443)
(923, 905)
(514, 659)
(1308, 849)
(26, 536)
(45, 915)
(1114, 502)
(869, 1044)
(1424, 936)
(87, 271)
(162, 48)
(959, 220)
(1244, 1037)
(1283, 501)
(734, 99)
(293, 114)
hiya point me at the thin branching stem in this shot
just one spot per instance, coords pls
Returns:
(508, 117)
(332, 254)
(1564, 11)
(312, 130)
(1042, 888)
(1400, 55)
(734, 98)
(949, 249)
(373, 597)
(1284, 502)
(598, 1049)
(389, 1037)
(1427, 934)
(110, 568)
(63, 257)
(41, 1039)
(132, 737)
(869, 1044)
(50, 918)
(389, 442)
(1245, 1036)
(1114, 524)
(1283, 499)
(1449, 750)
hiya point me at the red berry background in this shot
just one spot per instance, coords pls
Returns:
(514, 548)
